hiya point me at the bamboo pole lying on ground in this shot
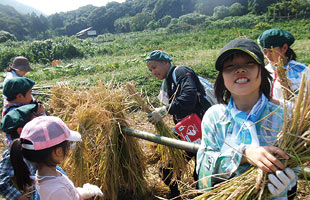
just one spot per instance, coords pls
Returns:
(174, 143)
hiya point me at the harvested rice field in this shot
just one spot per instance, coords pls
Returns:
(124, 167)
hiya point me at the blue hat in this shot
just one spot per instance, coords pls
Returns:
(239, 45)
(275, 38)
(158, 55)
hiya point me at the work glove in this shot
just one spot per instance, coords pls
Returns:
(281, 182)
(157, 115)
(89, 190)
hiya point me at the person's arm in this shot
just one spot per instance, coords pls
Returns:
(212, 158)
(7, 189)
(186, 101)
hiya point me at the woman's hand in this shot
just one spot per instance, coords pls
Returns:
(263, 157)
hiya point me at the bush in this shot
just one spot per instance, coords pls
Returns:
(192, 19)
(178, 28)
(5, 36)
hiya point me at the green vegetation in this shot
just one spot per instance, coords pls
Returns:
(120, 57)
(131, 16)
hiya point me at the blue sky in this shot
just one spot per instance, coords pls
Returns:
(52, 6)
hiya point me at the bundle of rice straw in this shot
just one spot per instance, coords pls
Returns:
(284, 81)
(294, 139)
(167, 154)
(105, 157)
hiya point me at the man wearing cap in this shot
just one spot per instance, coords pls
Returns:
(18, 68)
(12, 123)
(182, 94)
(276, 45)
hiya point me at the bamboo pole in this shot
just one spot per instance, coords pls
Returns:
(174, 143)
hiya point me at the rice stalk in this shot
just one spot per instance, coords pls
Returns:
(284, 81)
(167, 154)
(105, 157)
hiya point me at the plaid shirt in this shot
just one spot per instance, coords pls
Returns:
(7, 189)
(218, 126)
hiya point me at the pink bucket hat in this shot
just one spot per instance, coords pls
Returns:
(47, 131)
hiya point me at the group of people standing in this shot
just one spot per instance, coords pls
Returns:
(37, 144)
(247, 91)
(233, 137)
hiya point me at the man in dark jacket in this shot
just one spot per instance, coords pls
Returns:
(183, 95)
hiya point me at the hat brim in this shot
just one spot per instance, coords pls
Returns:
(223, 56)
(23, 68)
(74, 136)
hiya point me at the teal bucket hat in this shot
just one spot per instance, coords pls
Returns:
(275, 38)
(17, 85)
(158, 55)
(17, 117)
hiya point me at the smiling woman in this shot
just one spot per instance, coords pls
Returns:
(50, 7)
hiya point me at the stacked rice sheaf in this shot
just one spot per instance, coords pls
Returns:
(106, 156)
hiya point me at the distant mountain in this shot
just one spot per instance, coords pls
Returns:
(21, 8)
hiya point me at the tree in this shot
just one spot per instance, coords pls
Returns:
(192, 19)
(206, 7)
(259, 6)
(174, 8)
(165, 21)
(140, 21)
(221, 12)
(289, 9)
(236, 9)
(56, 21)
(122, 25)
(36, 25)
(5, 36)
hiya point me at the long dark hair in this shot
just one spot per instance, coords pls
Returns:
(21, 170)
(222, 93)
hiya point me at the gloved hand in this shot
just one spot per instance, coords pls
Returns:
(89, 190)
(157, 115)
(283, 181)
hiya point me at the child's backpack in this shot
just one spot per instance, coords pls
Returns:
(209, 90)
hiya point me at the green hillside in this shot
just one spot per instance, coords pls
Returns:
(20, 7)
(140, 15)
(120, 57)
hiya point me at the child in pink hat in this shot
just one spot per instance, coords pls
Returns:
(45, 141)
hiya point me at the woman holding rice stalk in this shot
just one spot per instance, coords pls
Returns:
(276, 44)
(241, 131)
